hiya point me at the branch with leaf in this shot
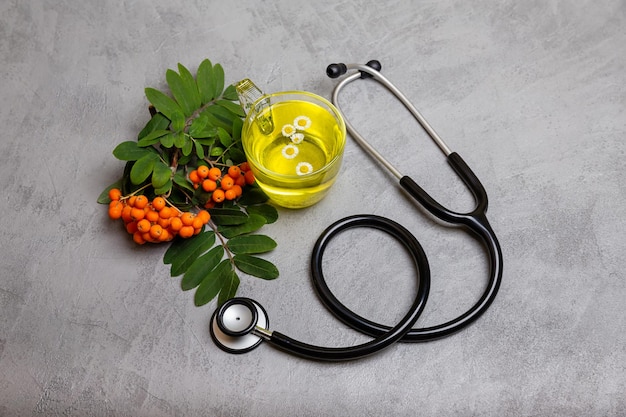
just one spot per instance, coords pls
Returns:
(199, 125)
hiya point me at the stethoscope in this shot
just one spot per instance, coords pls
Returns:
(241, 324)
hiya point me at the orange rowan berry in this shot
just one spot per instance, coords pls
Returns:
(203, 171)
(187, 218)
(230, 194)
(238, 190)
(175, 224)
(186, 231)
(152, 215)
(218, 196)
(204, 215)
(197, 223)
(165, 235)
(115, 209)
(164, 222)
(209, 204)
(249, 177)
(138, 238)
(115, 194)
(209, 185)
(143, 225)
(131, 227)
(215, 173)
(194, 177)
(131, 200)
(227, 182)
(137, 214)
(155, 231)
(165, 213)
(241, 180)
(158, 203)
(244, 166)
(126, 214)
(141, 201)
(234, 171)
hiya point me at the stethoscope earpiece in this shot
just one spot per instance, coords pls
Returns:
(337, 70)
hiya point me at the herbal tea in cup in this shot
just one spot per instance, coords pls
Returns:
(294, 143)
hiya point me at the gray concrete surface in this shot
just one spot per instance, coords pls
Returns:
(532, 94)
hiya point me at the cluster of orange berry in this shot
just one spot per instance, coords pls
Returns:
(154, 221)
(222, 186)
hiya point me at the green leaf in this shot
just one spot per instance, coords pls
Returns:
(190, 86)
(229, 288)
(228, 216)
(179, 139)
(180, 179)
(162, 102)
(251, 244)
(216, 151)
(164, 189)
(253, 195)
(208, 132)
(223, 115)
(187, 146)
(152, 138)
(143, 168)
(157, 122)
(254, 223)
(167, 141)
(237, 127)
(230, 93)
(256, 266)
(199, 149)
(197, 126)
(129, 151)
(232, 107)
(103, 198)
(218, 75)
(205, 81)
(212, 283)
(178, 121)
(160, 175)
(268, 212)
(182, 253)
(201, 267)
(180, 93)
(224, 136)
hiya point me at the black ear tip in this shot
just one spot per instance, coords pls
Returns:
(336, 70)
(374, 63)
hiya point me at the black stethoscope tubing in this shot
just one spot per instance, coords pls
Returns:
(475, 221)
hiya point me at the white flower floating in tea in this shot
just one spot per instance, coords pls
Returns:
(297, 138)
(304, 168)
(302, 123)
(291, 150)
(288, 130)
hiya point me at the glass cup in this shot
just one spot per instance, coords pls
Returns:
(294, 143)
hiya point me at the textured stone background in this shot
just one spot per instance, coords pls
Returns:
(532, 94)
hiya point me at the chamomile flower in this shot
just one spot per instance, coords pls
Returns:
(302, 122)
(290, 151)
(288, 130)
(304, 168)
(297, 138)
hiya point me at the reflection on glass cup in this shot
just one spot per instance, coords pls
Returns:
(294, 142)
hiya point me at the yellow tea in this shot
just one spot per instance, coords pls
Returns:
(297, 158)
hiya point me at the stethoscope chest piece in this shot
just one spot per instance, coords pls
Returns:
(232, 325)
